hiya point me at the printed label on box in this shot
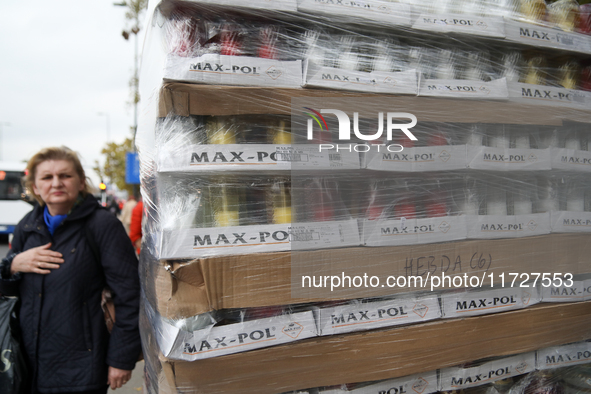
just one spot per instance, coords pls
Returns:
(372, 11)
(459, 88)
(369, 315)
(499, 159)
(474, 303)
(167, 333)
(275, 5)
(570, 159)
(247, 157)
(319, 235)
(309, 157)
(570, 222)
(465, 24)
(540, 36)
(507, 226)
(234, 70)
(458, 378)
(241, 337)
(563, 356)
(386, 232)
(548, 95)
(215, 241)
(404, 82)
(569, 291)
(428, 158)
(425, 383)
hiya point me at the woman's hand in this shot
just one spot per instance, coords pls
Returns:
(118, 377)
(39, 260)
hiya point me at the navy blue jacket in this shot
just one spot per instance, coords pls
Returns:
(64, 333)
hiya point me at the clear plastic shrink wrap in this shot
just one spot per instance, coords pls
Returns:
(366, 196)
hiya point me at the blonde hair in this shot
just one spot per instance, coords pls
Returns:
(53, 153)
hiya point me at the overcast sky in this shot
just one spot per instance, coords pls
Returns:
(62, 62)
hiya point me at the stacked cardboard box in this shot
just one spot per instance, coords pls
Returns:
(243, 205)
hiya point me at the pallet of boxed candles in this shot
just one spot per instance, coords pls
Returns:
(242, 143)
(221, 332)
(506, 189)
(229, 215)
(403, 210)
(266, 142)
(543, 371)
(474, 369)
(324, 206)
(252, 48)
(212, 215)
(559, 24)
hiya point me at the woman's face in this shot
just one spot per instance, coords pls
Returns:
(58, 184)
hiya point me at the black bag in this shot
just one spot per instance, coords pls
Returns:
(12, 361)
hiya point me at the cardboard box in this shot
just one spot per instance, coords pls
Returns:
(189, 288)
(541, 36)
(242, 240)
(463, 24)
(234, 70)
(570, 159)
(548, 95)
(570, 222)
(498, 159)
(254, 157)
(569, 290)
(564, 356)
(457, 378)
(424, 383)
(377, 314)
(459, 88)
(427, 158)
(403, 82)
(369, 11)
(383, 354)
(482, 301)
(413, 231)
(177, 344)
(505, 226)
(194, 99)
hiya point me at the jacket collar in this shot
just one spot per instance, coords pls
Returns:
(88, 205)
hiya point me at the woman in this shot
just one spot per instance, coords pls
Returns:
(52, 266)
(135, 226)
(126, 213)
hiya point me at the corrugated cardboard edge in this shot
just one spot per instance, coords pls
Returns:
(265, 279)
(388, 353)
(181, 296)
(174, 102)
(166, 380)
(199, 99)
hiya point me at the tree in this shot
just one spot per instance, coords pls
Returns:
(113, 171)
(135, 8)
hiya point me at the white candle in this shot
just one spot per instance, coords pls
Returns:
(499, 140)
(575, 200)
(522, 204)
(572, 142)
(521, 140)
(496, 202)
